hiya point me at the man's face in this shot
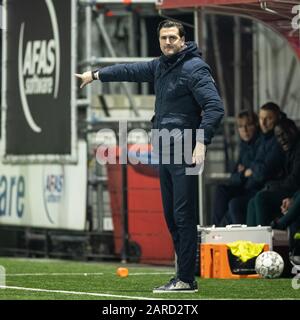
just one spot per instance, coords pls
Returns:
(284, 138)
(267, 120)
(170, 42)
(246, 128)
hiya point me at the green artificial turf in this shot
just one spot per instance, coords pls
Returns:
(78, 277)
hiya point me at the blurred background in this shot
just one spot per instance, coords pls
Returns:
(56, 200)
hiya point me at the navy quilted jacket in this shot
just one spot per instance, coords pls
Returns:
(247, 156)
(186, 95)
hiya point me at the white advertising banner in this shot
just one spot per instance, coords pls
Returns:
(46, 196)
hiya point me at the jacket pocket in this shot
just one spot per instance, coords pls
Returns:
(177, 87)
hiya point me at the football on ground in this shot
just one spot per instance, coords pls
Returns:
(269, 264)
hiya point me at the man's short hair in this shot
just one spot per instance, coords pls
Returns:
(273, 107)
(250, 115)
(170, 24)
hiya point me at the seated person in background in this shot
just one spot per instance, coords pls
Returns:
(264, 162)
(295, 251)
(247, 125)
(290, 218)
(265, 206)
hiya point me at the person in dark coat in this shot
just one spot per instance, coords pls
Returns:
(231, 199)
(263, 164)
(265, 206)
(289, 218)
(269, 161)
(186, 98)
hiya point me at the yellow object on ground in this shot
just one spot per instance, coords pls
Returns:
(245, 250)
(297, 236)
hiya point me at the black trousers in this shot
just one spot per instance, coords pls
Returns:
(231, 201)
(179, 197)
(265, 207)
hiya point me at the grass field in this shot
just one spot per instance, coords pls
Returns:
(42, 279)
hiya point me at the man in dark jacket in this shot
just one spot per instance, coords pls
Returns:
(268, 163)
(261, 161)
(184, 88)
(265, 206)
(231, 199)
(269, 160)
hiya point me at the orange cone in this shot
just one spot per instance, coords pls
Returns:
(122, 272)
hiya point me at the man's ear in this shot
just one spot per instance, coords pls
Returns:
(183, 41)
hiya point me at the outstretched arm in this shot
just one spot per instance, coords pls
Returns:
(130, 72)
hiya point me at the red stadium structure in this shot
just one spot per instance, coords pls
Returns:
(277, 14)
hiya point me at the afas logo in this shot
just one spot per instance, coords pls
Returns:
(39, 65)
(296, 19)
(53, 186)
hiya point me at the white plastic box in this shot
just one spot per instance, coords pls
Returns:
(232, 233)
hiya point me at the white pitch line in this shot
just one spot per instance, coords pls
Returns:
(55, 274)
(77, 293)
(83, 274)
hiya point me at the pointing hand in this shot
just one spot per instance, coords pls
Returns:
(85, 77)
